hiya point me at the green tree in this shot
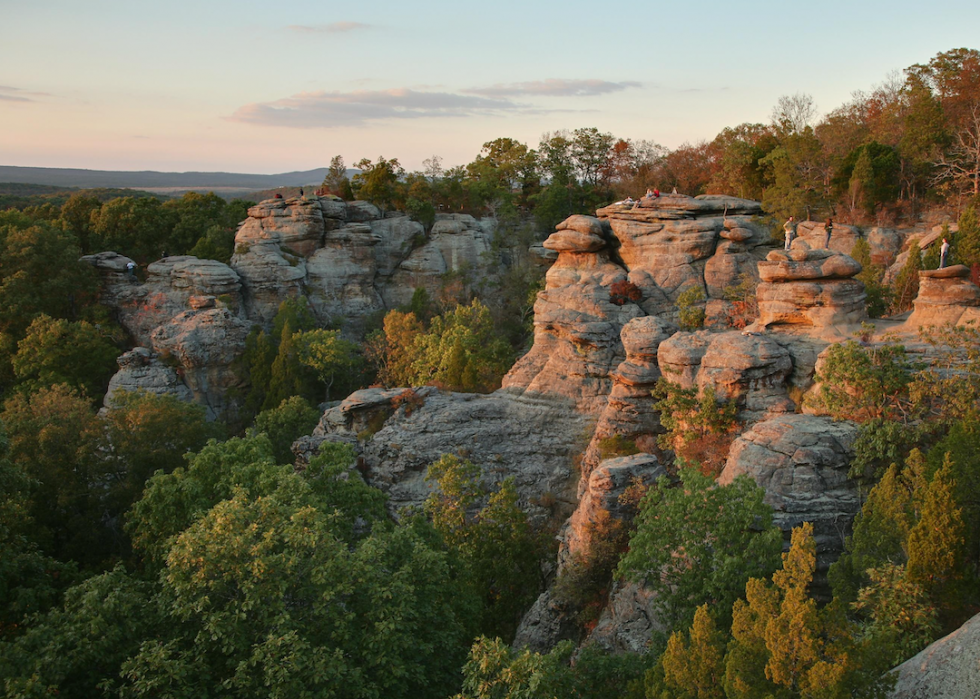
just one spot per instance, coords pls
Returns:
(906, 286)
(40, 273)
(76, 218)
(499, 551)
(692, 669)
(863, 383)
(335, 181)
(289, 377)
(194, 216)
(378, 182)
(968, 237)
(462, 351)
(700, 543)
(878, 295)
(283, 425)
(55, 439)
(690, 308)
(329, 355)
(61, 352)
(136, 227)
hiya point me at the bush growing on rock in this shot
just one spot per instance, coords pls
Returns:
(700, 428)
(624, 291)
(690, 311)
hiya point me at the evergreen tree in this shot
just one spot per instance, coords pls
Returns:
(906, 286)
(968, 237)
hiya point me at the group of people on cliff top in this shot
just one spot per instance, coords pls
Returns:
(789, 228)
(647, 201)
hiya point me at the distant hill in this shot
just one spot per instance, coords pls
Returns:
(16, 195)
(150, 179)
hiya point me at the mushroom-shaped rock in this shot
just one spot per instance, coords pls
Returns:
(569, 240)
(583, 224)
(795, 265)
(945, 295)
(801, 461)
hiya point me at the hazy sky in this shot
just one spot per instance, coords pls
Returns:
(269, 87)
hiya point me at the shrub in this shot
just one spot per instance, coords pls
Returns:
(690, 312)
(624, 291)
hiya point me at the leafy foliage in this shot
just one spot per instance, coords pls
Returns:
(690, 311)
(700, 543)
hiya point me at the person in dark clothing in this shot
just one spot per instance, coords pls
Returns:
(829, 227)
(278, 195)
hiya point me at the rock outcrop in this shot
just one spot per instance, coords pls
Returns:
(813, 288)
(946, 295)
(947, 669)
(801, 461)
(140, 369)
(348, 259)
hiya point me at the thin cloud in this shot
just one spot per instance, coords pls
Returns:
(308, 110)
(19, 95)
(553, 87)
(332, 28)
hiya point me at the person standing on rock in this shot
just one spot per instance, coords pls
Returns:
(829, 227)
(789, 230)
(943, 252)
(131, 271)
(301, 193)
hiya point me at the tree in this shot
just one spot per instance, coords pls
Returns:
(699, 543)
(906, 286)
(76, 217)
(499, 552)
(55, 439)
(137, 227)
(863, 383)
(195, 214)
(590, 151)
(693, 670)
(62, 352)
(335, 181)
(794, 114)
(378, 182)
(968, 237)
(40, 273)
(283, 425)
(145, 434)
(328, 354)
(877, 294)
(461, 351)
(289, 377)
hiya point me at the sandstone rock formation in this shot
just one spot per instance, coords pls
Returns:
(348, 259)
(140, 369)
(802, 462)
(812, 235)
(813, 288)
(532, 438)
(945, 296)
(947, 669)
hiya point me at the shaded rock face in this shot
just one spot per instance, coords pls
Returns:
(812, 288)
(206, 343)
(812, 235)
(348, 260)
(140, 369)
(947, 669)
(533, 439)
(628, 621)
(801, 461)
(189, 311)
(945, 296)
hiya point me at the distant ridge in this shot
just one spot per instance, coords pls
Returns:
(77, 177)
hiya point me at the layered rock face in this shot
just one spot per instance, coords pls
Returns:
(348, 259)
(945, 296)
(532, 438)
(812, 288)
(140, 369)
(801, 461)
(661, 248)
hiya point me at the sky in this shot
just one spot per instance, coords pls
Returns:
(267, 87)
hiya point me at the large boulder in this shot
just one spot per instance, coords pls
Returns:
(140, 370)
(945, 296)
(802, 462)
(749, 369)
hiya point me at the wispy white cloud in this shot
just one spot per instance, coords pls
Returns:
(325, 109)
(553, 87)
(16, 94)
(332, 28)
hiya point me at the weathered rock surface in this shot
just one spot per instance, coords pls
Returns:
(532, 438)
(140, 369)
(802, 462)
(947, 669)
(946, 295)
(810, 287)
(348, 259)
(812, 235)
(749, 369)
(885, 244)
(206, 344)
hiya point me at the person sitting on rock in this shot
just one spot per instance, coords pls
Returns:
(278, 195)
(943, 252)
(629, 201)
(829, 227)
(789, 230)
